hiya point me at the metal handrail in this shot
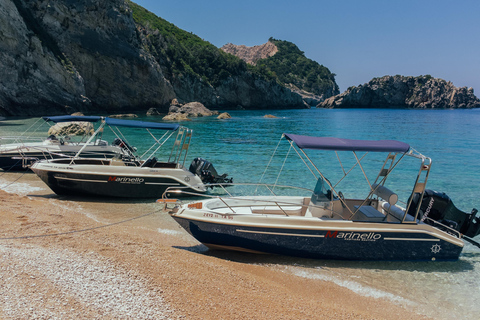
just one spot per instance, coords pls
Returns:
(178, 191)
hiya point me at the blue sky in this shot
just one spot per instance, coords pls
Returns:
(357, 40)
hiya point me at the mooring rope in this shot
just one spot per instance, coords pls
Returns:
(10, 183)
(78, 231)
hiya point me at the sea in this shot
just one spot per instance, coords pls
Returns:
(243, 147)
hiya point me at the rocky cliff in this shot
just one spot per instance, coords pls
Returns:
(62, 56)
(423, 92)
(251, 54)
(312, 81)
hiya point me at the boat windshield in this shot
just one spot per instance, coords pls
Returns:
(321, 193)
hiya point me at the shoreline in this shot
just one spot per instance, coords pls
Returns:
(149, 268)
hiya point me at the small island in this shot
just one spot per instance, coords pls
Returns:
(422, 92)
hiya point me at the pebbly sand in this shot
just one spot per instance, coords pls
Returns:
(124, 260)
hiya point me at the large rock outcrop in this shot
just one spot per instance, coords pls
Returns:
(423, 92)
(303, 76)
(62, 56)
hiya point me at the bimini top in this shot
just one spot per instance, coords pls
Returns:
(338, 144)
(141, 124)
(73, 118)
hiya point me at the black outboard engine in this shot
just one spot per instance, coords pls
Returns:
(439, 207)
(205, 170)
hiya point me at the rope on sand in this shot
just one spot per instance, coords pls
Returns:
(5, 171)
(9, 184)
(78, 231)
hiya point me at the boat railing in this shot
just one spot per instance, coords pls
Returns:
(15, 139)
(263, 201)
(223, 186)
(443, 227)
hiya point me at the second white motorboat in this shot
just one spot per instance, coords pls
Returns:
(131, 177)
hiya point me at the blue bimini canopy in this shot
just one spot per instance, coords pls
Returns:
(338, 144)
(73, 118)
(141, 124)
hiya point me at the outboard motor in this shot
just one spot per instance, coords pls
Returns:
(205, 170)
(439, 207)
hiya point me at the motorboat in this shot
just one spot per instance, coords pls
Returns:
(19, 152)
(413, 224)
(132, 176)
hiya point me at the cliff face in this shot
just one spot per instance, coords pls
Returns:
(312, 81)
(62, 56)
(34, 76)
(423, 92)
(251, 54)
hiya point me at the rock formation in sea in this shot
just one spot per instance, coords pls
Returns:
(71, 129)
(422, 92)
(93, 56)
(179, 112)
(224, 115)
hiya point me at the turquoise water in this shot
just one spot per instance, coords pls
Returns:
(242, 147)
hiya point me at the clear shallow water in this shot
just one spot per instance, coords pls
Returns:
(242, 147)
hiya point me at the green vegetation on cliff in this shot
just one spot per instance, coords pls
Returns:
(291, 66)
(182, 53)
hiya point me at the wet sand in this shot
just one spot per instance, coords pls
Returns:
(82, 258)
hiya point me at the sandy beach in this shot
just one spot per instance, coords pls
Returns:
(85, 259)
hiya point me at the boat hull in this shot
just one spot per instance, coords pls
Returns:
(114, 182)
(362, 241)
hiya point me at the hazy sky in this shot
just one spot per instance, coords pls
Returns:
(356, 39)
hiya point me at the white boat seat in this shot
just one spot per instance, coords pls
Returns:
(367, 213)
(396, 212)
(117, 162)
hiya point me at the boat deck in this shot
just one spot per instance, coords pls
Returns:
(375, 211)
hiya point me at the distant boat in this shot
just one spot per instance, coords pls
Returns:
(131, 176)
(23, 150)
(327, 225)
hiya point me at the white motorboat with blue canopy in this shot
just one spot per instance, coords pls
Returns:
(131, 176)
(324, 224)
(19, 152)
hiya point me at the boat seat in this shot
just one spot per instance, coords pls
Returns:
(117, 162)
(396, 212)
(367, 213)
(150, 162)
